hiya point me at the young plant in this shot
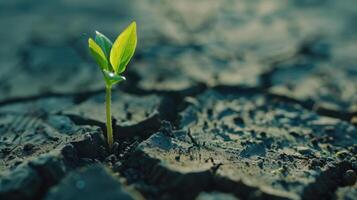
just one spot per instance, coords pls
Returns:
(112, 59)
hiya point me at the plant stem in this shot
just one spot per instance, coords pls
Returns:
(108, 95)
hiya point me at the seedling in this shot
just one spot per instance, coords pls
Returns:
(112, 59)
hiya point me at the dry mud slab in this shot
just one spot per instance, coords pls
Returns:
(44, 139)
(244, 143)
(29, 129)
(319, 78)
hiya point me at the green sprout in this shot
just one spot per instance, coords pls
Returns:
(112, 59)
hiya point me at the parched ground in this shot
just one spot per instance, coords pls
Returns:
(223, 100)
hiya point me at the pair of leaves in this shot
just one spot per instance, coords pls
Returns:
(113, 58)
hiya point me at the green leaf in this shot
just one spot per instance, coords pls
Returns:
(98, 54)
(104, 43)
(123, 48)
(112, 78)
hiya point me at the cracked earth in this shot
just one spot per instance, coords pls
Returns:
(223, 100)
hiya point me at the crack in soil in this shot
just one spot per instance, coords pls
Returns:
(142, 129)
(177, 185)
(169, 108)
(138, 165)
(78, 97)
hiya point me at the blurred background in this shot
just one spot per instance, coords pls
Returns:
(305, 50)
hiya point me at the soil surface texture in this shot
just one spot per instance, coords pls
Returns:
(223, 100)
